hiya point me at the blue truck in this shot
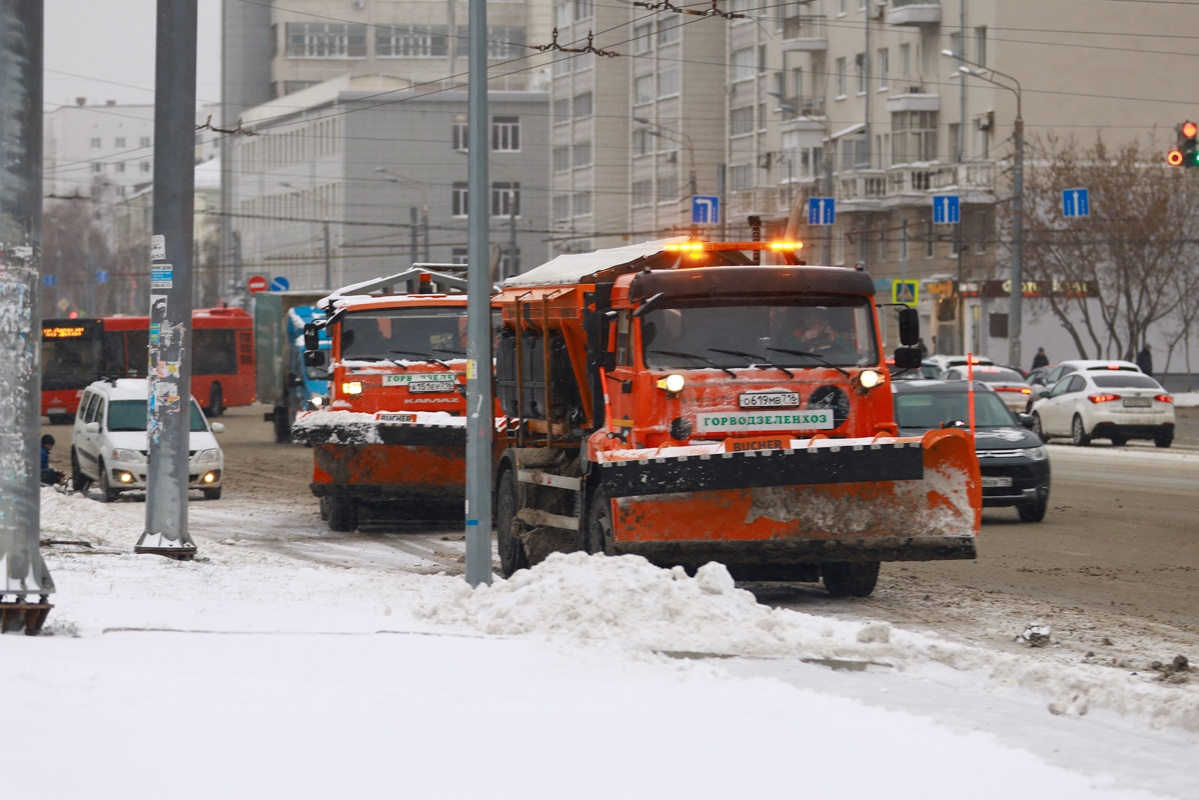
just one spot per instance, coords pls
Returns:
(283, 382)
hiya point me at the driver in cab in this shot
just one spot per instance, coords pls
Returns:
(812, 333)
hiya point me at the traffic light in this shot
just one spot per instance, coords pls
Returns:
(1186, 154)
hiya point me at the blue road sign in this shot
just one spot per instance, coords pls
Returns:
(1076, 203)
(49, 280)
(280, 284)
(822, 211)
(102, 276)
(705, 209)
(947, 209)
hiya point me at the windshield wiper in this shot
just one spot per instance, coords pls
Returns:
(754, 357)
(422, 356)
(451, 352)
(708, 361)
(816, 356)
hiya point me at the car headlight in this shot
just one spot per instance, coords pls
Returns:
(128, 456)
(1036, 453)
(208, 457)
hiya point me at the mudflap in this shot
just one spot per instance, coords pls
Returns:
(894, 500)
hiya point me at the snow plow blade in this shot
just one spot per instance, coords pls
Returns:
(910, 499)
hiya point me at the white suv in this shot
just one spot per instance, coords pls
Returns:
(109, 447)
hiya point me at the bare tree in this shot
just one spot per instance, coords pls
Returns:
(1133, 245)
(75, 248)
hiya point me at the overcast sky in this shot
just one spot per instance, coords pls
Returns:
(104, 50)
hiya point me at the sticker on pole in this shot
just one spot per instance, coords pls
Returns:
(810, 419)
(158, 247)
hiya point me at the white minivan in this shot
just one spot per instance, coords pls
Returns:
(109, 445)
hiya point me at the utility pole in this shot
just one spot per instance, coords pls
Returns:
(25, 583)
(171, 293)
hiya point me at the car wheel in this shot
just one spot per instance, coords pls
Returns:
(343, 514)
(1119, 441)
(850, 580)
(216, 401)
(212, 494)
(599, 523)
(107, 493)
(78, 480)
(1038, 428)
(1078, 434)
(1164, 439)
(1034, 511)
(512, 551)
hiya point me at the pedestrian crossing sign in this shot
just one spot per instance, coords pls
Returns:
(905, 292)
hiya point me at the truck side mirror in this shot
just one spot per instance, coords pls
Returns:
(909, 326)
(317, 359)
(312, 337)
(907, 358)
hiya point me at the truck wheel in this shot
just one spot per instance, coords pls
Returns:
(343, 514)
(216, 401)
(512, 551)
(599, 524)
(850, 579)
(78, 480)
(282, 422)
(107, 493)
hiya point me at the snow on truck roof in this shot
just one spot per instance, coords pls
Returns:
(573, 267)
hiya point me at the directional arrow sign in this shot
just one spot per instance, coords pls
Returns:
(822, 211)
(947, 209)
(1076, 203)
(705, 210)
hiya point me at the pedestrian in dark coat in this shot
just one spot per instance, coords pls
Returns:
(1145, 360)
(1040, 359)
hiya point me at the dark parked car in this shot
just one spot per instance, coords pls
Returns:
(1013, 460)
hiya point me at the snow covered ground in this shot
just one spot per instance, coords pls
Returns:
(250, 672)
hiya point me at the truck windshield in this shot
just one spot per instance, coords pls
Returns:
(395, 333)
(795, 334)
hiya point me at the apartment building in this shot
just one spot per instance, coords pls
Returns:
(91, 145)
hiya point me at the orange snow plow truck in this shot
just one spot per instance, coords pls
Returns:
(688, 402)
(392, 438)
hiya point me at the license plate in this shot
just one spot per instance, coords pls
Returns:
(995, 481)
(431, 386)
(1138, 402)
(769, 400)
(397, 417)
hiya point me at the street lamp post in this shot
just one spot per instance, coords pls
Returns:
(424, 201)
(662, 132)
(325, 216)
(1016, 297)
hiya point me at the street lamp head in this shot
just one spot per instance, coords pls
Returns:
(949, 53)
(642, 120)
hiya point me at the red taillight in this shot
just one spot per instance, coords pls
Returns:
(1102, 398)
(1163, 398)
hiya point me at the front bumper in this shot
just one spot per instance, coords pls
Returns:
(1012, 480)
(130, 477)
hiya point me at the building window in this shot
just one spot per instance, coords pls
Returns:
(145, 166)
(505, 41)
(741, 176)
(120, 166)
(582, 204)
(980, 45)
(643, 37)
(96, 143)
(884, 68)
(97, 166)
(459, 255)
(841, 77)
(668, 30)
(459, 133)
(859, 64)
(913, 136)
(561, 66)
(584, 9)
(411, 41)
(642, 142)
(582, 154)
(668, 83)
(145, 141)
(505, 134)
(119, 142)
(582, 105)
(905, 60)
(561, 207)
(643, 89)
(458, 200)
(561, 110)
(668, 189)
(291, 87)
(561, 157)
(744, 67)
(643, 193)
(741, 121)
(853, 153)
(325, 40)
(505, 199)
(561, 14)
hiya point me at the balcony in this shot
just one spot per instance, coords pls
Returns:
(804, 34)
(914, 184)
(914, 12)
(768, 201)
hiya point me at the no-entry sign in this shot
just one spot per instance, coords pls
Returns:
(257, 283)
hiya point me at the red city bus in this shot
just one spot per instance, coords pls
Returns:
(76, 352)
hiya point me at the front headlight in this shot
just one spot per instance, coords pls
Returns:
(208, 457)
(128, 456)
(351, 387)
(1036, 453)
(316, 401)
(869, 378)
(673, 383)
